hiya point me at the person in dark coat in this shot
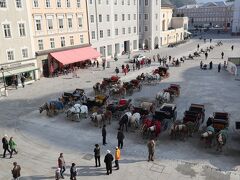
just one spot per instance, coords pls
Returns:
(210, 65)
(198, 47)
(123, 67)
(232, 47)
(16, 171)
(104, 134)
(117, 70)
(108, 161)
(222, 54)
(206, 55)
(73, 172)
(219, 67)
(97, 64)
(120, 137)
(97, 155)
(23, 81)
(201, 65)
(5, 146)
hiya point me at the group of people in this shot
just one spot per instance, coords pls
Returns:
(15, 80)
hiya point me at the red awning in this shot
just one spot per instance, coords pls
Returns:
(75, 55)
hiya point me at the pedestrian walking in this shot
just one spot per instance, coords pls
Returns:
(127, 66)
(61, 165)
(97, 155)
(97, 64)
(12, 145)
(5, 146)
(116, 70)
(201, 65)
(15, 81)
(206, 55)
(232, 47)
(198, 46)
(125, 71)
(16, 171)
(73, 172)
(169, 58)
(222, 54)
(151, 150)
(103, 65)
(210, 40)
(117, 157)
(23, 81)
(158, 57)
(210, 65)
(133, 66)
(154, 58)
(219, 67)
(108, 161)
(123, 67)
(224, 65)
(104, 134)
(120, 138)
(57, 174)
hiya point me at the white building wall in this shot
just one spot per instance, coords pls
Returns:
(108, 45)
(236, 17)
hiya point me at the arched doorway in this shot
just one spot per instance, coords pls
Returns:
(156, 43)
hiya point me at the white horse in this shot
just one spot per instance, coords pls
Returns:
(98, 119)
(135, 120)
(163, 97)
(78, 110)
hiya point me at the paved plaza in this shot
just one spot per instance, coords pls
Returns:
(40, 139)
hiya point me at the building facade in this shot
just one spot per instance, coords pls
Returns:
(212, 14)
(57, 25)
(173, 29)
(113, 26)
(16, 52)
(236, 18)
(149, 24)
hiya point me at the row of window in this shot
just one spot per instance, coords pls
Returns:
(59, 3)
(3, 3)
(61, 22)
(123, 2)
(146, 2)
(7, 33)
(100, 17)
(62, 42)
(101, 32)
(11, 54)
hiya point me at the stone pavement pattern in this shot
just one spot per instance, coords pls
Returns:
(41, 139)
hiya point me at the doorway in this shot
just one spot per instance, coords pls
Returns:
(126, 46)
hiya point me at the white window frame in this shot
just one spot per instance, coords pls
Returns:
(59, 3)
(36, 25)
(18, 3)
(81, 39)
(52, 43)
(146, 2)
(40, 49)
(27, 52)
(101, 34)
(100, 18)
(62, 41)
(78, 3)
(92, 18)
(93, 34)
(48, 3)
(60, 25)
(71, 40)
(68, 3)
(109, 33)
(80, 21)
(35, 4)
(7, 30)
(22, 32)
(13, 54)
(3, 4)
(70, 23)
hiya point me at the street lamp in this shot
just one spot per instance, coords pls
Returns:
(5, 87)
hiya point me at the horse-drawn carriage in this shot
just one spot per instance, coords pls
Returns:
(220, 121)
(173, 90)
(52, 107)
(77, 95)
(167, 114)
(97, 101)
(132, 85)
(162, 71)
(117, 107)
(111, 81)
(194, 117)
(151, 128)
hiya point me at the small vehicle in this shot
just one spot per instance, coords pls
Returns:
(162, 71)
(220, 121)
(167, 114)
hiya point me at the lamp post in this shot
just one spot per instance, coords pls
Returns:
(5, 87)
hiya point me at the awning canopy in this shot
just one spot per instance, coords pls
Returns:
(75, 55)
(17, 71)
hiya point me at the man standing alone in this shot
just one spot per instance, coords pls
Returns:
(151, 150)
(104, 134)
(16, 171)
(108, 161)
(120, 137)
(97, 155)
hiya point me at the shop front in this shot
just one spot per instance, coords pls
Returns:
(12, 72)
(66, 61)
